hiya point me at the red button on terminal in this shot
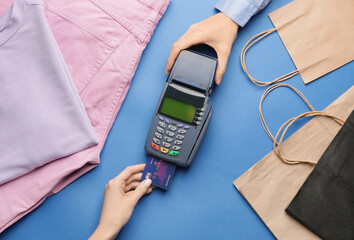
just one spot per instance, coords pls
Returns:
(154, 146)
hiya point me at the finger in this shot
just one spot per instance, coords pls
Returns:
(186, 41)
(223, 57)
(129, 171)
(131, 186)
(134, 185)
(149, 190)
(135, 177)
(140, 190)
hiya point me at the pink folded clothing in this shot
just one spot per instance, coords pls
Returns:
(101, 42)
(41, 115)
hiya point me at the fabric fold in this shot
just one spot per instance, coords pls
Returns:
(42, 118)
(102, 56)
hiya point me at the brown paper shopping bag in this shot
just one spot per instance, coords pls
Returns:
(270, 185)
(318, 35)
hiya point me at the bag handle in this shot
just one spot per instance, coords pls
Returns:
(290, 122)
(252, 41)
(287, 124)
(271, 88)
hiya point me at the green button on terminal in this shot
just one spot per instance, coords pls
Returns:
(174, 153)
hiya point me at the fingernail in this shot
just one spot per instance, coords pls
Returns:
(147, 182)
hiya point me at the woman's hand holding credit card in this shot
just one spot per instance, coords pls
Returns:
(160, 172)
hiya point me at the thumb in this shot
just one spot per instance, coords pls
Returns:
(184, 42)
(141, 189)
(223, 57)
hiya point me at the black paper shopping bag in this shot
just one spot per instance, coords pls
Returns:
(325, 202)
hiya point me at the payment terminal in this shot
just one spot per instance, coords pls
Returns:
(184, 109)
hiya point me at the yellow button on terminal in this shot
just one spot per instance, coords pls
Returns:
(164, 150)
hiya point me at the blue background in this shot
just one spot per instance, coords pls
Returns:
(202, 202)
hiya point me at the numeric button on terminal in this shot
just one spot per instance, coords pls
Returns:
(157, 141)
(179, 137)
(165, 144)
(160, 130)
(182, 131)
(172, 128)
(168, 139)
(158, 135)
(178, 142)
(176, 148)
(162, 124)
(171, 134)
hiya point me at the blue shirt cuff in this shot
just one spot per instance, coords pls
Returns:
(240, 11)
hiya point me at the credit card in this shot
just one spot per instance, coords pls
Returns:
(160, 172)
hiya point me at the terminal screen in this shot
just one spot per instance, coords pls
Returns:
(178, 109)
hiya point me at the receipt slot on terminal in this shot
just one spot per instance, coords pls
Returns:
(184, 109)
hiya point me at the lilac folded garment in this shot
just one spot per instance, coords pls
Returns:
(101, 42)
(41, 115)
